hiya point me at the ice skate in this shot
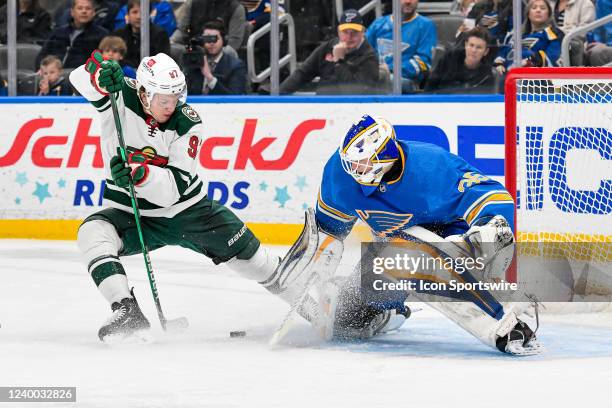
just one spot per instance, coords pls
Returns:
(126, 321)
(520, 341)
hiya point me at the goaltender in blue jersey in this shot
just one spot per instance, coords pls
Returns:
(425, 185)
(406, 190)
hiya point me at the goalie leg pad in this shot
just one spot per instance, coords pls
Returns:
(297, 259)
(314, 251)
(487, 327)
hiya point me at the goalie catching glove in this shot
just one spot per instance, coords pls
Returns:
(136, 168)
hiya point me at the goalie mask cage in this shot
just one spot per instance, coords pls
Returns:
(558, 168)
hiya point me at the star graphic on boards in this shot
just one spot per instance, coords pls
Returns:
(61, 183)
(304, 206)
(282, 196)
(300, 183)
(42, 191)
(18, 201)
(21, 178)
(263, 186)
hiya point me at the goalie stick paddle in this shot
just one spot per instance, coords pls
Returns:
(179, 323)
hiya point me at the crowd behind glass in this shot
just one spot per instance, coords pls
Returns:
(464, 47)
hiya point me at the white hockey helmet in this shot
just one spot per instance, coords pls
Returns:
(369, 143)
(159, 74)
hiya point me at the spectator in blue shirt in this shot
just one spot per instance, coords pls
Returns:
(599, 49)
(3, 86)
(418, 40)
(541, 40)
(161, 14)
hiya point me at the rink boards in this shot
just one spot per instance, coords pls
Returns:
(261, 156)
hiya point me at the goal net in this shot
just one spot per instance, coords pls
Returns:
(559, 169)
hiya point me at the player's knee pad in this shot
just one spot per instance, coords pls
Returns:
(96, 239)
(259, 267)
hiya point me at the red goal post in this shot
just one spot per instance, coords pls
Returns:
(564, 99)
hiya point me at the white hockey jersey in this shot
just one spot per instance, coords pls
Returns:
(172, 147)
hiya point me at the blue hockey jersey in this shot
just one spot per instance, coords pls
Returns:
(542, 47)
(418, 41)
(435, 189)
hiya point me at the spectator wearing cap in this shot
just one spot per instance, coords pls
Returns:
(346, 64)
(418, 41)
(74, 42)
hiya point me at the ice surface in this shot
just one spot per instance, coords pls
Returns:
(50, 312)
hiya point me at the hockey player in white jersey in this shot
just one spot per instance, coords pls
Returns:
(163, 136)
(417, 192)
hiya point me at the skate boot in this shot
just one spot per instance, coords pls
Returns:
(126, 320)
(367, 322)
(520, 341)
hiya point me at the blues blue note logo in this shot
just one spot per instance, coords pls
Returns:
(384, 223)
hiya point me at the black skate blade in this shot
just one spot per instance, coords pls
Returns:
(176, 325)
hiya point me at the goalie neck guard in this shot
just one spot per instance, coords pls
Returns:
(159, 74)
(369, 150)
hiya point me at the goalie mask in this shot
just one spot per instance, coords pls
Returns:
(159, 74)
(369, 150)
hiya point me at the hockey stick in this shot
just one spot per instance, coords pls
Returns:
(172, 324)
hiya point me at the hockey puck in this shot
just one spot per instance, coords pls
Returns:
(238, 333)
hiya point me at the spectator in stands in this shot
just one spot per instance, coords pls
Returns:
(3, 86)
(212, 71)
(599, 48)
(465, 6)
(52, 6)
(130, 33)
(418, 41)
(114, 48)
(572, 14)
(494, 15)
(345, 64)
(33, 22)
(161, 14)
(74, 42)
(105, 13)
(258, 11)
(52, 81)
(258, 15)
(465, 68)
(541, 39)
(198, 12)
(314, 23)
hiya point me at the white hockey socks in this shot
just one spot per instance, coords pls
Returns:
(259, 267)
(115, 288)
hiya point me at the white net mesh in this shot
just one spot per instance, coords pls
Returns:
(564, 179)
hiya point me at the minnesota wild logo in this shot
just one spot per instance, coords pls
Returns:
(190, 113)
(152, 157)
